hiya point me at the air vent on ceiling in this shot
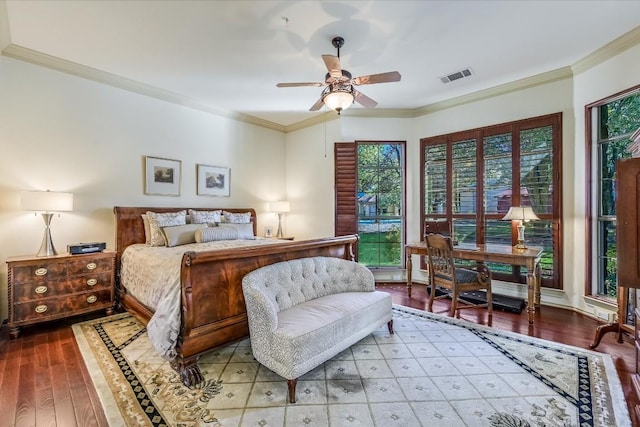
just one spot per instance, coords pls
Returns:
(455, 76)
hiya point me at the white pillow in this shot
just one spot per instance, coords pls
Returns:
(245, 231)
(237, 218)
(211, 234)
(205, 217)
(159, 220)
(177, 235)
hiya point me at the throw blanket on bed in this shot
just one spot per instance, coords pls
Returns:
(152, 275)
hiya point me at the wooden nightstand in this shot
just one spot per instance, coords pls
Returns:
(48, 288)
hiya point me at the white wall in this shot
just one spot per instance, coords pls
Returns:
(64, 133)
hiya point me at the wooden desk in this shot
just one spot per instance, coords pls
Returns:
(504, 254)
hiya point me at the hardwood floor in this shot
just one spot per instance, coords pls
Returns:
(44, 382)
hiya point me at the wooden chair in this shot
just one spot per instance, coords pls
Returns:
(444, 274)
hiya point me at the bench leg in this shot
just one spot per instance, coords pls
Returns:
(390, 326)
(292, 390)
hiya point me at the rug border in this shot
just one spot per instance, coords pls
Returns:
(115, 418)
(619, 402)
(100, 383)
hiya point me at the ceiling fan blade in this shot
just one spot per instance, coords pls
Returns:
(316, 84)
(317, 105)
(333, 65)
(363, 100)
(392, 76)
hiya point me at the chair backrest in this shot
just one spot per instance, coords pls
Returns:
(441, 262)
(442, 227)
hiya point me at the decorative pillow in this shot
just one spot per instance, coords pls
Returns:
(245, 231)
(237, 218)
(205, 217)
(212, 234)
(159, 220)
(147, 229)
(177, 235)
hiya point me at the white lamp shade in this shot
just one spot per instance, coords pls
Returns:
(46, 201)
(338, 100)
(279, 207)
(520, 213)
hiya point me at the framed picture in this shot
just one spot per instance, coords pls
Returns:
(213, 180)
(162, 176)
(268, 231)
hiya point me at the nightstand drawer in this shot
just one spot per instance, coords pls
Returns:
(89, 264)
(61, 306)
(46, 289)
(43, 271)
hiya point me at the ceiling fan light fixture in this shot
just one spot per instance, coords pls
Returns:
(338, 99)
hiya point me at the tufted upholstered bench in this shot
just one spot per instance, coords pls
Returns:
(305, 311)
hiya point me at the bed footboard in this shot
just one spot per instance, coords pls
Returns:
(213, 309)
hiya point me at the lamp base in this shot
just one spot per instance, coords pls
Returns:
(520, 245)
(47, 248)
(279, 233)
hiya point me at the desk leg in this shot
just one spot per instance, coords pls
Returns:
(409, 272)
(538, 271)
(531, 306)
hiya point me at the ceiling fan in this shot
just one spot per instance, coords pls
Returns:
(339, 92)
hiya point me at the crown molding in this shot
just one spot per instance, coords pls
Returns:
(73, 68)
(608, 51)
(503, 89)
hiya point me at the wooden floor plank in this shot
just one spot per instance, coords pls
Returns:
(10, 381)
(65, 414)
(25, 406)
(45, 410)
(82, 405)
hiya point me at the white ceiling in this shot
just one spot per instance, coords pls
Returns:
(230, 54)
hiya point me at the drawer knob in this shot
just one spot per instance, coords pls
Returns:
(92, 282)
(41, 308)
(91, 266)
(91, 299)
(41, 289)
(41, 271)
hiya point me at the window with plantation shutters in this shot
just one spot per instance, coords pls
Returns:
(468, 178)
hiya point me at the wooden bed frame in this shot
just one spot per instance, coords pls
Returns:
(213, 309)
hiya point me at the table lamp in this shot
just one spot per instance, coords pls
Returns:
(279, 208)
(520, 214)
(46, 202)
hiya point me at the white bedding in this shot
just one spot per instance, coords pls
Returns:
(152, 275)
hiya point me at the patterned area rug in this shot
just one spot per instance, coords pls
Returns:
(434, 371)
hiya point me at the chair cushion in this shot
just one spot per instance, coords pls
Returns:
(464, 275)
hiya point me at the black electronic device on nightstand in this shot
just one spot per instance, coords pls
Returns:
(86, 248)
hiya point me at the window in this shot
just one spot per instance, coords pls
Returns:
(615, 118)
(468, 179)
(370, 199)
